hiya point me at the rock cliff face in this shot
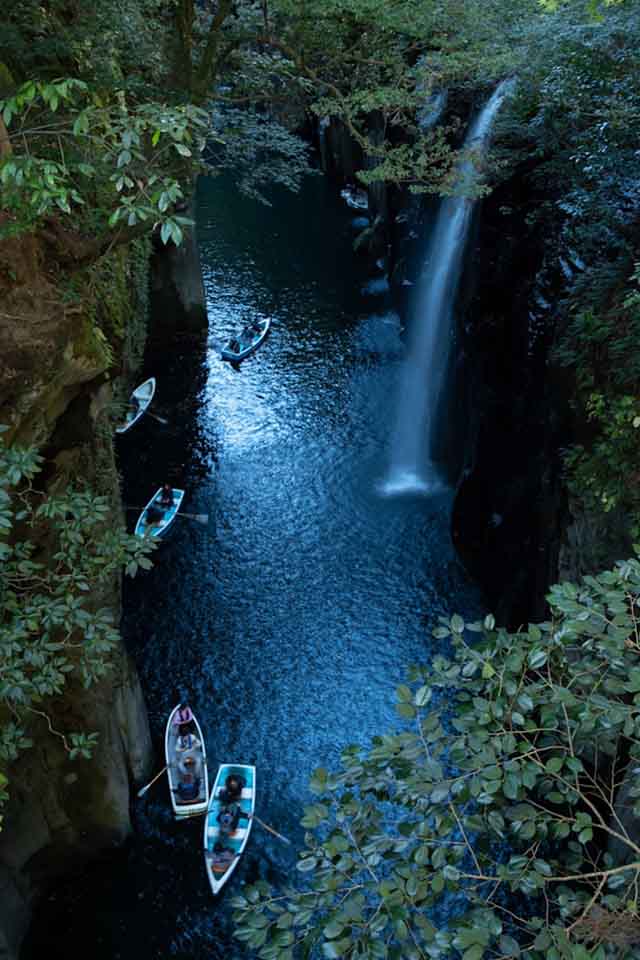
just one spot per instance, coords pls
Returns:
(60, 339)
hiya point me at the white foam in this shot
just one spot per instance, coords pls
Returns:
(408, 483)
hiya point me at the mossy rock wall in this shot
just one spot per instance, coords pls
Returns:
(70, 346)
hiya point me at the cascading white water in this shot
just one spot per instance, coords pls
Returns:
(412, 468)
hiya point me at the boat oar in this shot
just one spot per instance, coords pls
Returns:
(156, 417)
(143, 790)
(200, 517)
(270, 829)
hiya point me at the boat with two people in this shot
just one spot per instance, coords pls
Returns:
(186, 759)
(228, 821)
(247, 341)
(160, 512)
(139, 402)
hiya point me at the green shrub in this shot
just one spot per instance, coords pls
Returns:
(490, 827)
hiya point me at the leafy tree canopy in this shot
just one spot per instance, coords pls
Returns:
(105, 122)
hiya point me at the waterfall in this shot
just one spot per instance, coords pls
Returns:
(412, 467)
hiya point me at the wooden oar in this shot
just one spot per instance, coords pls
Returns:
(270, 829)
(156, 417)
(143, 790)
(200, 517)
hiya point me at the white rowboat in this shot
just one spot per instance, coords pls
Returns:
(246, 342)
(138, 404)
(184, 763)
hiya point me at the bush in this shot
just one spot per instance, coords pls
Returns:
(58, 556)
(495, 831)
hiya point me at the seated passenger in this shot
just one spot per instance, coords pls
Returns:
(166, 497)
(232, 790)
(186, 740)
(190, 765)
(229, 818)
(188, 788)
(221, 857)
(153, 516)
(183, 715)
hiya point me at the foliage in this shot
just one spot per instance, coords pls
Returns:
(601, 345)
(575, 119)
(115, 118)
(59, 555)
(69, 145)
(606, 474)
(497, 833)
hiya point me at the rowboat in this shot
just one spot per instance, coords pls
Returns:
(247, 341)
(186, 758)
(138, 403)
(157, 530)
(219, 870)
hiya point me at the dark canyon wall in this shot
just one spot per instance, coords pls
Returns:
(65, 343)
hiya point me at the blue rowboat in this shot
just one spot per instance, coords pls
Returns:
(186, 758)
(158, 530)
(218, 868)
(138, 404)
(246, 342)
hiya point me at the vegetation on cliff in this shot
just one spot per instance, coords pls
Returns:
(58, 558)
(573, 129)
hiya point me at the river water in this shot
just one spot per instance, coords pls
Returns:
(289, 618)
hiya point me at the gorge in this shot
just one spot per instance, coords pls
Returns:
(422, 439)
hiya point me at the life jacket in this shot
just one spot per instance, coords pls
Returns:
(229, 817)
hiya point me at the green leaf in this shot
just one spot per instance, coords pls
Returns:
(509, 947)
(554, 764)
(333, 929)
(474, 953)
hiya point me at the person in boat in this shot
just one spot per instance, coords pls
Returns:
(186, 740)
(166, 497)
(234, 345)
(188, 788)
(189, 766)
(232, 790)
(183, 719)
(256, 327)
(154, 516)
(183, 715)
(221, 856)
(229, 818)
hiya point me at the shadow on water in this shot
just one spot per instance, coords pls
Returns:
(290, 618)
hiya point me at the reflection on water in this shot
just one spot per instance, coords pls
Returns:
(289, 619)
